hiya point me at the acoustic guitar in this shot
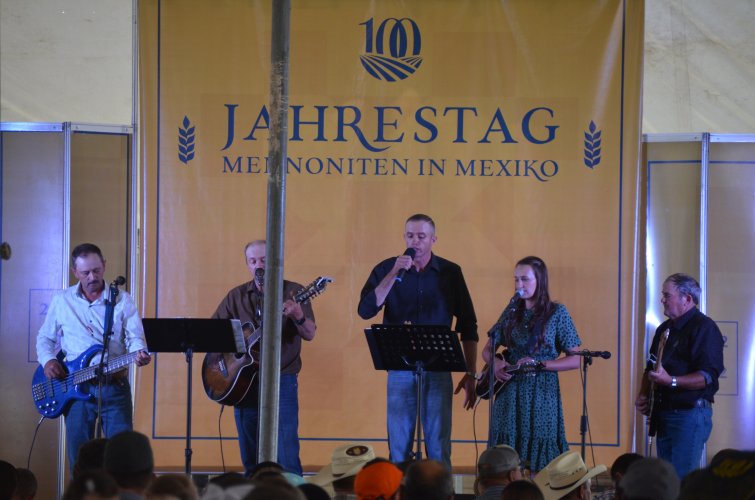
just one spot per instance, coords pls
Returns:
(227, 377)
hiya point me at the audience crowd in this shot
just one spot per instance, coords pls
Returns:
(122, 468)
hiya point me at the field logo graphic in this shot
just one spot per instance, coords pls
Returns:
(387, 53)
(186, 141)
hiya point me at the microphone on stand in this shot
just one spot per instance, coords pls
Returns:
(593, 354)
(259, 277)
(518, 295)
(411, 253)
(119, 281)
(507, 313)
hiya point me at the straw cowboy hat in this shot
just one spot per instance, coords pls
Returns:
(565, 473)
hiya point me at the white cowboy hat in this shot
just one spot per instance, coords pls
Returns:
(347, 461)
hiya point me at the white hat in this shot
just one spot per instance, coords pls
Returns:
(347, 461)
(565, 473)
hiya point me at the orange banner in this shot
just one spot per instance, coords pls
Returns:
(515, 125)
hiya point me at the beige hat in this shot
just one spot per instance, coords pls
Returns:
(347, 461)
(565, 473)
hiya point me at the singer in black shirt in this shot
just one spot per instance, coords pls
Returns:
(687, 376)
(430, 291)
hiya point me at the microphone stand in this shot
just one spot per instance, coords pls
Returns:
(106, 334)
(583, 424)
(502, 322)
(491, 388)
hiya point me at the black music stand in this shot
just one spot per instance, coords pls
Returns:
(189, 336)
(417, 348)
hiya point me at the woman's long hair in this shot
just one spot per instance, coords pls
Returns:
(543, 306)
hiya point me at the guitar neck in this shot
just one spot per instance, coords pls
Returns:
(112, 366)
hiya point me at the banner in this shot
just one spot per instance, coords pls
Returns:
(515, 125)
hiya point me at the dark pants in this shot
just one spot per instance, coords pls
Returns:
(247, 422)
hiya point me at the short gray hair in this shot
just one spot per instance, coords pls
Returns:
(253, 243)
(686, 285)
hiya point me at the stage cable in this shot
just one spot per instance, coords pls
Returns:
(33, 440)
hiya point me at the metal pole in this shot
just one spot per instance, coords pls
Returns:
(276, 205)
(704, 162)
(704, 159)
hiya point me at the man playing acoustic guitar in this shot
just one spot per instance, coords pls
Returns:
(245, 303)
(76, 317)
(686, 378)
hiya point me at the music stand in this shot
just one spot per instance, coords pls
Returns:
(189, 336)
(417, 348)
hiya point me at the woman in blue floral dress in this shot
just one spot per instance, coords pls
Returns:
(534, 332)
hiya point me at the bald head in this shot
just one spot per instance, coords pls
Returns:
(427, 480)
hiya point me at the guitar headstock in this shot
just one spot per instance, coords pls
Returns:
(313, 289)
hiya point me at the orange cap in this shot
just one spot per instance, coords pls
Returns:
(380, 479)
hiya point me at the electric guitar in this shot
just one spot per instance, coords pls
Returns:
(482, 389)
(227, 377)
(53, 396)
(653, 393)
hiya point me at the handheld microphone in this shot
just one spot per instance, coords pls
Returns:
(119, 281)
(593, 354)
(411, 253)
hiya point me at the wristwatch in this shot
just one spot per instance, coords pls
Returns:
(673, 382)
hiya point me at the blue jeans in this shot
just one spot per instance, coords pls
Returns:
(681, 436)
(247, 423)
(436, 415)
(82, 415)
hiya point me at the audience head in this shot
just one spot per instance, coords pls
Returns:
(128, 458)
(346, 462)
(314, 492)
(731, 474)
(378, 480)
(279, 490)
(91, 456)
(172, 487)
(621, 464)
(8, 480)
(567, 476)
(427, 480)
(26, 487)
(229, 479)
(497, 466)
(265, 466)
(522, 489)
(92, 485)
(649, 478)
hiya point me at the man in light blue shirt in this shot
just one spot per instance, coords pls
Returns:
(76, 318)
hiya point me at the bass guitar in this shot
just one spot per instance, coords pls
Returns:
(53, 396)
(227, 377)
(482, 389)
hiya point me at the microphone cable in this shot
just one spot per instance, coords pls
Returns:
(33, 440)
(587, 417)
